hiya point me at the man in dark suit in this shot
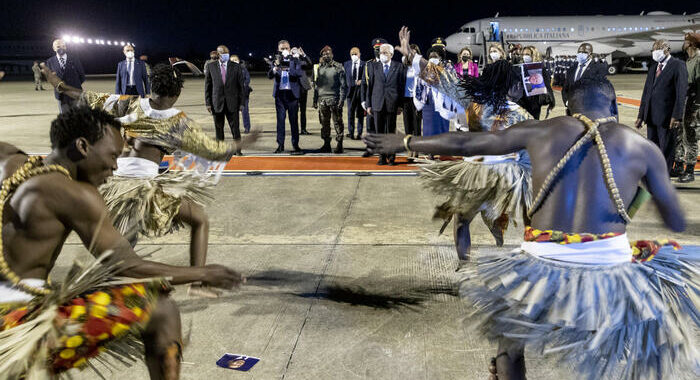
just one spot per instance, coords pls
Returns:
(224, 94)
(364, 102)
(385, 87)
(132, 76)
(586, 67)
(306, 64)
(245, 112)
(286, 72)
(69, 69)
(353, 78)
(663, 100)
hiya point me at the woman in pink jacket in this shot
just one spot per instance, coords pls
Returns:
(465, 65)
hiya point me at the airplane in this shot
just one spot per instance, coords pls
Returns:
(620, 38)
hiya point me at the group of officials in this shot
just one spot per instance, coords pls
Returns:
(374, 92)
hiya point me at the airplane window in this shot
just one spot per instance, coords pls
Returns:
(572, 29)
(592, 28)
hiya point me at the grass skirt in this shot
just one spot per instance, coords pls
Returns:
(149, 205)
(628, 321)
(495, 189)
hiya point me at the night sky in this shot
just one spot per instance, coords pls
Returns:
(193, 28)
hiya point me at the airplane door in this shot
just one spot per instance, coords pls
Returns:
(494, 31)
(580, 30)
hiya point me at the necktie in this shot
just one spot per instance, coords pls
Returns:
(62, 61)
(578, 73)
(223, 72)
(129, 64)
(354, 71)
(658, 70)
(386, 69)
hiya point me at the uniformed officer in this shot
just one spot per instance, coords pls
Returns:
(329, 86)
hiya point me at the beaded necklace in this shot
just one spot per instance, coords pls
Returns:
(32, 168)
(592, 132)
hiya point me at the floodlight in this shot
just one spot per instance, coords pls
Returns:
(109, 42)
(66, 38)
(122, 43)
(76, 39)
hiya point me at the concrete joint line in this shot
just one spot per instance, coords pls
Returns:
(329, 259)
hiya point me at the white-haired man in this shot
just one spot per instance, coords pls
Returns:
(69, 69)
(385, 85)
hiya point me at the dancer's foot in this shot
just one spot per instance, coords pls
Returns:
(492, 369)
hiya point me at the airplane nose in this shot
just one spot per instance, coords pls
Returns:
(455, 42)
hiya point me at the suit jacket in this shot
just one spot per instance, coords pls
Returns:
(143, 85)
(217, 93)
(295, 74)
(306, 64)
(663, 98)
(385, 92)
(72, 74)
(594, 69)
(348, 73)
(365, 76)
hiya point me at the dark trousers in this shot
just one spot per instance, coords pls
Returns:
(412, 119)
(232, 116)
(665, 139)
(302, 108)
(66, 103)
(131, 90)
(355, 111)
(385, 123)
(245, 113)
(286, 103)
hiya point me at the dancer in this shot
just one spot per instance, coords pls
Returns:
(138, 198)
(577, 289)
(47, 329)
(497, 187)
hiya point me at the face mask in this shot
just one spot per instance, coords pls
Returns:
(527, 58)
(658, 55)
(465, 58)
(383, 58)
(224, 57)
(434, 61)
(129, 54)
(328, 59)
(495, 56)
(61, 51)
(285, 53)
(582, 57)
(354, 58)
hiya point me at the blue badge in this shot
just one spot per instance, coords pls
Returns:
(237, 362)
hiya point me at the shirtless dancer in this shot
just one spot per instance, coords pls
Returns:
(577, 288)
(50, 198)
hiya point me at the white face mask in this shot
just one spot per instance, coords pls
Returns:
(527, 58)
(495, 56)
(129, 54)
(354, 58)
(383, 58)
(582, 57)
(285, 53)
(658, 55)
(434, 61)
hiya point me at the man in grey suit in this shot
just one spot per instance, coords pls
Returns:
(224, 94)
(663, 101)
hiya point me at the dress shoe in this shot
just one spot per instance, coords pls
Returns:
(326, 148)
(297, 151)
(239, 153)
(392, 163)
(688, 175)
(338, 148)
(350, 136)
(279, 150)
(366, 154)
(382, 161)
(304, 132)
(246, 132)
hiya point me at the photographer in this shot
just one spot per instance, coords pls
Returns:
(286, 72)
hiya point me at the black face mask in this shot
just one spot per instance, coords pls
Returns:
(465, 58)
(376, 53)
(61, 51)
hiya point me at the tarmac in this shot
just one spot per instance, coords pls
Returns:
(347, 275)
